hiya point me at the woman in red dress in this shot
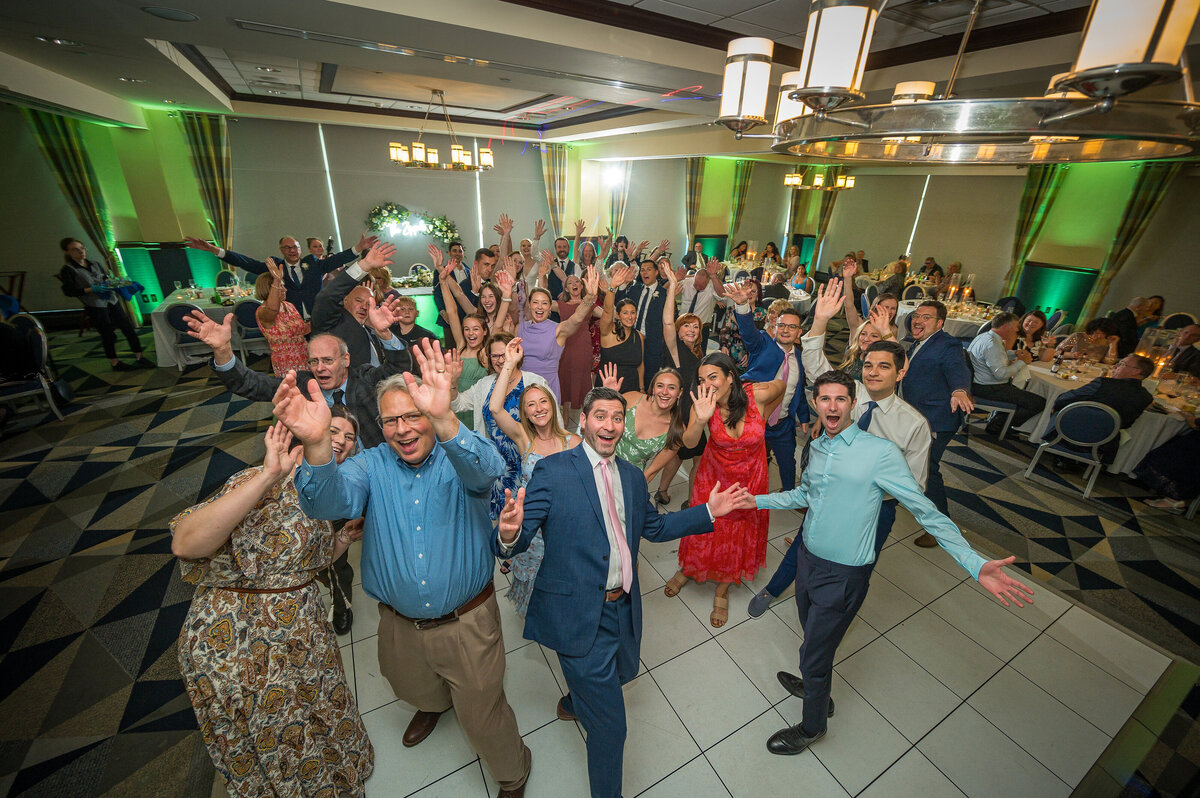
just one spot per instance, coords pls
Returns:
(735, 415)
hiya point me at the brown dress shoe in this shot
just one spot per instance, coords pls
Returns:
(420, 727)
(517, 793)
(926, 540)
(562, 713)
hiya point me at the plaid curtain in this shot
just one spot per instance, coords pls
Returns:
(828, 200)
(208, 140)
(795, 208)
(1041, 188)
(554, 175)
(1148, 191)
(59, 139)
(742, 171)
(617, 197)
(693, 183)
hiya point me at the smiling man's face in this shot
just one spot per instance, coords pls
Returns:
(604, 425)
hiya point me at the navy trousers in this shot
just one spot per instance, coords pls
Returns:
(935, 488)
(828, 596)
(781, 438)
(785, 574)
(594, 683)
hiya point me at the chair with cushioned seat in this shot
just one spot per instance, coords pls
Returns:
(1086, 425)
(245, 327)
(36, 384)
(176, 318)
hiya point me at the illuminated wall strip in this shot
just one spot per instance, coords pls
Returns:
(478, 193)
(337, 230)
(921, 204)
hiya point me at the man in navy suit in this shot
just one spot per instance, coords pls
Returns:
(775, 358)
(301, 276)
(586, 604)
(648, 294)
(938, 384)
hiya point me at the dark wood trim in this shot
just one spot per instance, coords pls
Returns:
(200, 62)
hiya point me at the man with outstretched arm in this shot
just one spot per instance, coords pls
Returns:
(848, 473)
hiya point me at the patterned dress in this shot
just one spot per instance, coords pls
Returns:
(526, 564)
(507, 446)
(285, 336)
(263, 670)
(737, 546)
(637, 450)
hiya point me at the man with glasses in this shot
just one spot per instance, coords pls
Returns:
(938, 385)
(427, 553)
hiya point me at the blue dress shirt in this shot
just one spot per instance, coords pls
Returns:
(992, 364)
(427, 541)
(843, 487)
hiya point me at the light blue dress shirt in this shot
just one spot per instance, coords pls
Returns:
(391, 343)
(843, 487)
(990, 361)
(426, 543)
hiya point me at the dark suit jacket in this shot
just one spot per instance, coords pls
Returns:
(441, 305)
(765, 360)
(330, 316)
(302, 294)
(360, 389)
(568, 593)
(1186, 361)
(1127, 397)
(654, 347)
(938, 370)
(1126, 328)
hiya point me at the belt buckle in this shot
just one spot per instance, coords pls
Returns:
(432, 623)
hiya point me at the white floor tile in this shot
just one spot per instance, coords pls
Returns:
(857, 636)
(1057, 737)
(709, 692)
(983, 762)
(648, 579)
(373, 691)
(913, 776)
(886, 604)
(983, 619)
(784, 522)
(668, 628)
(1099, 642)
(366, 617)
(762, 647)
(1047, 605)
(899, 689)
(695, 778)
(530, 688)
(658, 742)
(938, 556)
(465, 782)
(1082, 686)
(555, 668)
(859, 745)
(749, 770)
(559, 762)
(663, 557)
(400, 770)
(699, 599)
(953, 658)
(913, 574)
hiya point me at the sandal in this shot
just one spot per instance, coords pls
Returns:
(672, 588)
(661, 498)
(789, 541)
(506, 566)
(720, 613)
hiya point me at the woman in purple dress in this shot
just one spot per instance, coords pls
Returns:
(543, 338)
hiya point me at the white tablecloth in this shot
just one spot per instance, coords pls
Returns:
(1152, 429)
(801, 300)
(164, 336)
(957, 326)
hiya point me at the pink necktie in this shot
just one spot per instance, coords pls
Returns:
(619, 528)
(787, 364)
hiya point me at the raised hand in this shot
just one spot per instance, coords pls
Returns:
(203, 328)
(740, 294)
(366, 241)
(704, 402)
(278, 462)
(620, 275)
(432, 396)
(580, 226)
(609, 378)
(829, 300)
(712, 266)
(1003, 586)
(378, 257)
(199, 243)
(275, 268)
(308, 418)
(667, 273)
(735, 497)
(662, 245)
(512, 515)
(849, 268)
(505, 280)
(513, 352)
(436, 257)
(607, 236)
(591, 283)
(641, 245)
(539, 228)
(880, 320)
(505, 224)
(380, 317)
(453, 365)
(544, 263)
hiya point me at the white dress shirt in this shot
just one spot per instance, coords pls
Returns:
(793, 377)
(614, 553)
(893, 419)
(706, 298)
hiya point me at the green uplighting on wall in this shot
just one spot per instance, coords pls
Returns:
(1053, 286)
(140, 269)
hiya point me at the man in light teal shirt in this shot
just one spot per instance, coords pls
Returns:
(849, 471)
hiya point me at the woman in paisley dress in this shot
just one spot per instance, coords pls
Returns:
(734, 414)
(653, 420)
(280, 323)
(537, 432)
(257, 653)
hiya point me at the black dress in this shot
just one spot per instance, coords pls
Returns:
(689, 364)
(626, 356)
(1170, 470)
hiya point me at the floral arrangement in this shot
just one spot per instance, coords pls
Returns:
(393, 218)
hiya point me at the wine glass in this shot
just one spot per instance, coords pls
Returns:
(178, 286)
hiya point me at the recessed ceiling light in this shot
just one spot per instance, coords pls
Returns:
(506, 80)
(274, 91)
(170, 102)
(131, 80)
(172, 14)
(59, 42)
(266, 69)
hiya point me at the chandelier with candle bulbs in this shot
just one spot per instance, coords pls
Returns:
(1086, 115)
(423, 157)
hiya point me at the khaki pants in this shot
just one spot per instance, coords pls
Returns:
(459, 664)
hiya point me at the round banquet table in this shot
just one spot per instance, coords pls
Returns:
(1153, 428)
(801, 300)
(957, 326)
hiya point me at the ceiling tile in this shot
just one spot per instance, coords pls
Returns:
(790, 16)
(678, 11)
(747, 29)
(791, 41)
(724, 8)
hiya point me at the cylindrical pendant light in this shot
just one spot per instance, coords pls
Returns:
(486, 161)
(913, 91)
(835, 51)
(431, 156)
(747, 80)
(787, 109)
(398, 152)
(1128, 45)
(418, 152)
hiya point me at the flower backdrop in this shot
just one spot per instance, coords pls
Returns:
(397, 219)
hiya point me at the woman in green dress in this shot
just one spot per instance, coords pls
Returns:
(469, 335)
(653, 420)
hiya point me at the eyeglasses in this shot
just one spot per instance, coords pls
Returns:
(313, 362)
(782, 326)
(409, 420)
(925, 316)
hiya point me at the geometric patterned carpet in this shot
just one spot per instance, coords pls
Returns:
(91, 603)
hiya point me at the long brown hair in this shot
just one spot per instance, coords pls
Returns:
(556, 429)
(677, 424)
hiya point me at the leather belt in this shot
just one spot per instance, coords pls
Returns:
(432, 623)
(260, 590)
(616, 594)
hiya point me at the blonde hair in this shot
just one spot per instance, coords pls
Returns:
(262, 286)
(556, 428)
(377, 274)
(779, 306)
(853, 351)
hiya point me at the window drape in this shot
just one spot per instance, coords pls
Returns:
(554, 176)
(693, 184)
(1042, 183)
(208, 141)
(742, 172)
(619, 194)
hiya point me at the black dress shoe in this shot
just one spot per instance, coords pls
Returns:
(791, 741)
(795, 685)
(343, 619)
(120, 365)
(145, 363)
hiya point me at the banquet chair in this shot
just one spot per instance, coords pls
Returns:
(225, 277)
(864, 306)
(989, 406)
(871, 292)
(176, 318)
(1011, 304)
(987, 325)
(808, 285)
(1055, 317)
(36, 384)
(913, 291)
(907, 324)
(245, 327)
(1062, 330)
(1087, 425)
(1177, 321)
